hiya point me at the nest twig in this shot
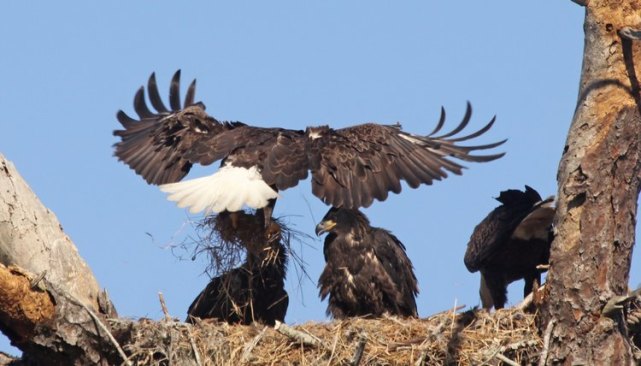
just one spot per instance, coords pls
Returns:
(227, 240)
(468, 338)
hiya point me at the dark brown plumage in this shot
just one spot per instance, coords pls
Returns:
(510, 243)
(367, 272)
(255, 291)
(350, 166)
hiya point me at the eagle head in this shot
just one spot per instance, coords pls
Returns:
(342, 221)
(316, 132)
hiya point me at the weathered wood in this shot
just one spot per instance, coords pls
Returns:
(50, 326)
(298, 336)
(32, 238)
(599, 182)
(49, 299)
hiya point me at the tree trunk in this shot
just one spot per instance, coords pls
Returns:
(32, 238)
(49, 299)
(599, 181)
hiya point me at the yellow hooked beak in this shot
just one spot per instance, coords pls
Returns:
(325, 226)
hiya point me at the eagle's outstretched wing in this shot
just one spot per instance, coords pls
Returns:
(353, 166)
(160, 146)
(350, 167)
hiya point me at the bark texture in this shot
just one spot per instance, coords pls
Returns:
(32, 238)
(49, 325)
(599, 180)
(49, 299)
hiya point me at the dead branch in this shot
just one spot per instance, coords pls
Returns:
(251, 345)
(32, 238)
(360, 348)
(298, 336)
(546, 343)
(107, 333)
(527, 301)
(194, 348)
(53, 327)
(163, 306)
(506, 360)
(630, 33)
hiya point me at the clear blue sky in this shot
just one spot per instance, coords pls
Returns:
(66, 70)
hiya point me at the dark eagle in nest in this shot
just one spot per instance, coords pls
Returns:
(255, 291)
(367, 272)
(350, 167)
(510, 243)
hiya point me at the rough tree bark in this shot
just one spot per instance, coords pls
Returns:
(32, 238)
(49, 298)
(599, 180)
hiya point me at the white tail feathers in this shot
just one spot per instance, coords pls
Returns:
(230, 188)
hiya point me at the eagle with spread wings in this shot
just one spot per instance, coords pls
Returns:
(350, 167)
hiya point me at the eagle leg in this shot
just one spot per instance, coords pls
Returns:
(531, 280)
(267, 212)
(497, 288)
(486, 296)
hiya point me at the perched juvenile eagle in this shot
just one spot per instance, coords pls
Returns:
(510, 243)
(350, 166)
(367, 272)
(255, 291)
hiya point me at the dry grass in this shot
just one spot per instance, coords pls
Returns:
(227, 241)
(448, 338)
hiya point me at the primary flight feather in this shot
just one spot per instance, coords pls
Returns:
(350, 167)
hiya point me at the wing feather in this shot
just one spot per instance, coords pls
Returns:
(191, 93)
(440, 123)
(350, 167)
(140, 106)
(286, 161)
(389, 155)
(160, 145)
(154, 95)
(398, 269)
(174, 92)
(464, 122)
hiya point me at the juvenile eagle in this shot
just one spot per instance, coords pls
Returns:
(367, 272)
(255, 291)
(350, 167)
(510, 243)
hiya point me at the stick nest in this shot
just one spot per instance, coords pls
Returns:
(470, 338)
(228, 238)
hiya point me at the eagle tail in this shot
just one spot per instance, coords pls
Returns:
(229, 189)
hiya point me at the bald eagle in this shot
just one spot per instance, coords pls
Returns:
(255, 291)
(350, 167)
(367, 272)
(510, 243)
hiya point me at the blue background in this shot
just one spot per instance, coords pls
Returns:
(66, 68)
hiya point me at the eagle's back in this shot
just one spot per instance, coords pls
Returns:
(492, 234)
